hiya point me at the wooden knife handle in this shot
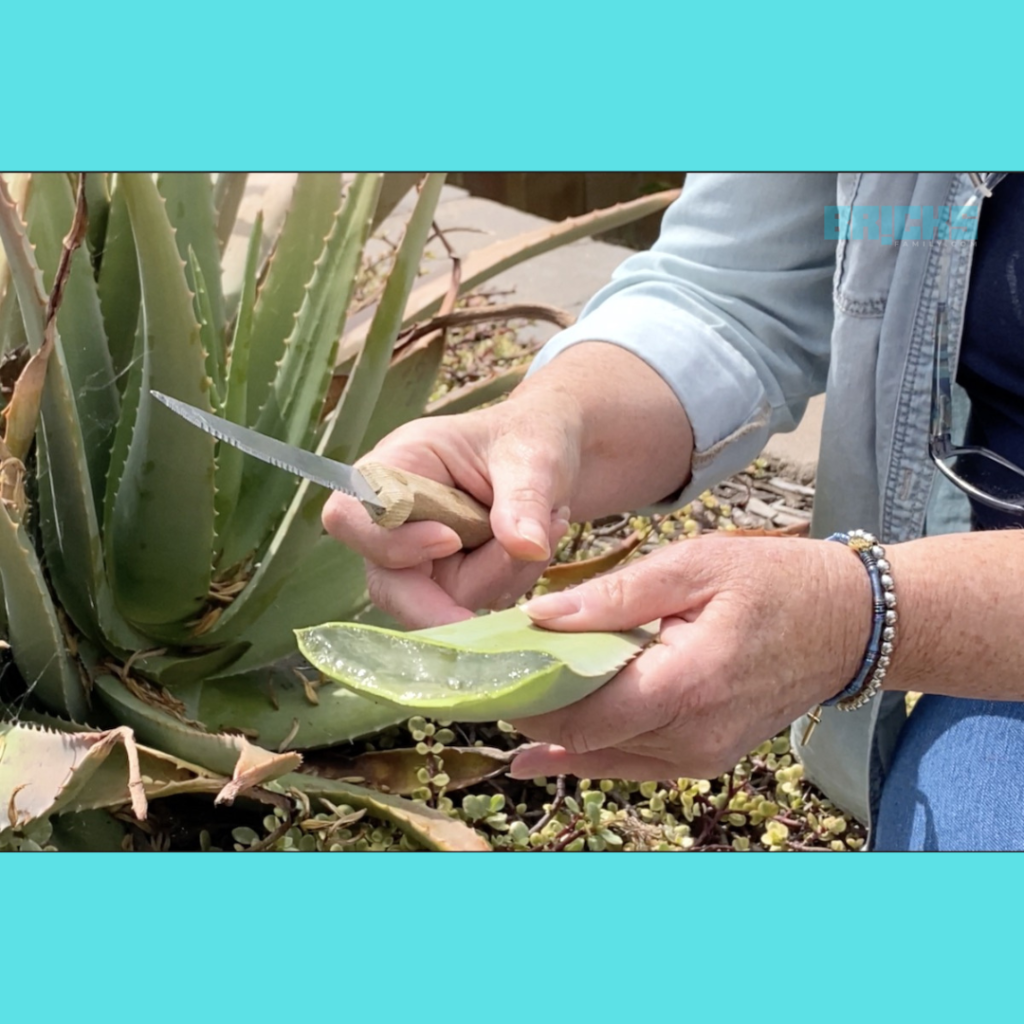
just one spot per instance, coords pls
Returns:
(408, 498)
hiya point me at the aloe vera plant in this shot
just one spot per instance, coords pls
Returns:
(152, 581)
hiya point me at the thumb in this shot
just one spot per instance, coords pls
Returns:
(530, 483)
(652, 589)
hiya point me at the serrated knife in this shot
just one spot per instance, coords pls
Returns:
(391, 496)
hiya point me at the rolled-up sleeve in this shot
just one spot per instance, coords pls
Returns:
(732, 306)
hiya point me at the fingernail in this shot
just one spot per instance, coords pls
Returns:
(532, 531)
(553, 606)
(441, 549)
(563, 513)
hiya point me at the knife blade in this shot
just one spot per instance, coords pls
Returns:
(391, 496)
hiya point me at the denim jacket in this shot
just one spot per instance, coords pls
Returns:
(747, 308)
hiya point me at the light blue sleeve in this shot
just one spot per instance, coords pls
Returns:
(733, 308)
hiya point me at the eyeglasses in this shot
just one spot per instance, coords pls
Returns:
(982, 474)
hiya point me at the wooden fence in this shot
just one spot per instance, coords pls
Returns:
(559, 194)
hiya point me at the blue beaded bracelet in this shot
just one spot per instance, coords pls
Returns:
(868, 680)
(877, 657)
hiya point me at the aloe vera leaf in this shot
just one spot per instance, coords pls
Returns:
(297, 394)
(482, 265)
(227, 198)
(177, 670)
(97, 198)
(160, 531)
(315, 201)
(409, 383)
(44, 772)
(209, 338)
(36, 639)
(132, 392)
(480, 392)
(396, 771)
(432, 829)
(393, 190)
(87, 832)
(221, 754)
(156, 728)
(12, 330)
(229, 458)
(26, 279)
(16, 186)
(328, 583)
(296, 534)
(245, 764)
(47, 771)
(272, 705)
(363, 389)
(189, 205)
(118, 285)
(69, 526)
(496, 666)
(50, 211)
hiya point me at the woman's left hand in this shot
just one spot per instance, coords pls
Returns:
(754, 633)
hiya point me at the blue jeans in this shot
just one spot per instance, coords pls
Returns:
(957, 778)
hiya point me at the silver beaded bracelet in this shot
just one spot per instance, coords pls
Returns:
(878, 656)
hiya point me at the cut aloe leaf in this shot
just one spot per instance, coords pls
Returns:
(497, 666)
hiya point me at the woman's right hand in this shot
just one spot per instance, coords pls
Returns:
(520, 458)
(594, 431)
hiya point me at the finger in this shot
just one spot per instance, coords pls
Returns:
(529, 483)
(599, 764)
(490, 577)
(645, 696)
(668, 582)
(413, 598)
(408, 545)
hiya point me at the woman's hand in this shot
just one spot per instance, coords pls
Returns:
(567, 437)
(754, 632)
(519, 459)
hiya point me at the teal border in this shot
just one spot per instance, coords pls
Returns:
(532, 86)
(551, 85)
(520, 937)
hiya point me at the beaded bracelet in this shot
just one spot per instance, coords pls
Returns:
(878, 656)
